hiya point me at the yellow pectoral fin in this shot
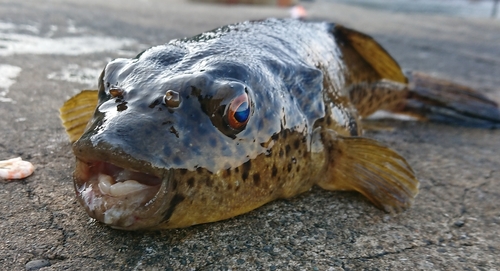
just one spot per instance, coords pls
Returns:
(377, 172)
(76, 113)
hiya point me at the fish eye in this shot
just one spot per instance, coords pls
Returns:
(238, 112)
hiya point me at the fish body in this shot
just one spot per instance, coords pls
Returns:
(206, 128)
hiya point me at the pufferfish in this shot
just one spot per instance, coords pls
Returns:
(206, 128)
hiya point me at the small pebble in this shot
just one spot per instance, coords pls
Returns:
(36, 264)
(459, 223)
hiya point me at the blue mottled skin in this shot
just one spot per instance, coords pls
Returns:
(295, 75)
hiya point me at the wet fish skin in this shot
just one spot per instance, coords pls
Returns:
(300, 80)
(250, 167)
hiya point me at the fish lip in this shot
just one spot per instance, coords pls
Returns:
(128, 212)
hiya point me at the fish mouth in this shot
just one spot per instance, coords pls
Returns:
(119, 197)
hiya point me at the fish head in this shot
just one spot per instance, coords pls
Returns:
(157, 130)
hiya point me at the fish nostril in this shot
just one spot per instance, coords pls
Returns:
(116, 91)
(172, 99)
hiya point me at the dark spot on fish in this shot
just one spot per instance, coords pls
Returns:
(177, 160)
(202, 130)
(237, 170)
(212, 141)
(294, 160)
(190, 182)
(175, 201)
(298, 168)
(247, 165)
(353, 128)
(227, 173)
(122, 106)
(229, 186)
(289, 167)
(287, 149)
(256, 179)
(274, 171)
(196, 92)
(209, 182)
(173, 131)
(244, 175)
(154, 103)
(246, 170)
(174, 184)
(296, 143)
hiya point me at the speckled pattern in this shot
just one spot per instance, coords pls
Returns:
(454, 223)
(295, 79)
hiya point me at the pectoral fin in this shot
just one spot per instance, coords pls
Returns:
(366, 166)
(76, 113)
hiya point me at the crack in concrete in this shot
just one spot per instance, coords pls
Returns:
(385, 253)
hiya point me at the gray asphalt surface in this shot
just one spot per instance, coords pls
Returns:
(454, 224)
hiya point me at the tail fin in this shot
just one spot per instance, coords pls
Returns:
(444, 101)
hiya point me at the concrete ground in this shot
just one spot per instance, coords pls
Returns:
(49, 50)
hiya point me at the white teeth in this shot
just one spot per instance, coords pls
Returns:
(105, 182)
(126, 187)
(107, 186)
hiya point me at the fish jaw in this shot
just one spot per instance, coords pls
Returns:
(121, 198)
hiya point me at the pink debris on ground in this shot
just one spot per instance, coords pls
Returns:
(298, 12)
(15, 168)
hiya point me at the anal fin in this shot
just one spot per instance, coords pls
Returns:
(366, 166)
(77, 111)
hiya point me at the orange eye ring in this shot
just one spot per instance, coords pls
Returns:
(238, 112)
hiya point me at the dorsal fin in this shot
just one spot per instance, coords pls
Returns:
(372, 52)
(77, 111)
